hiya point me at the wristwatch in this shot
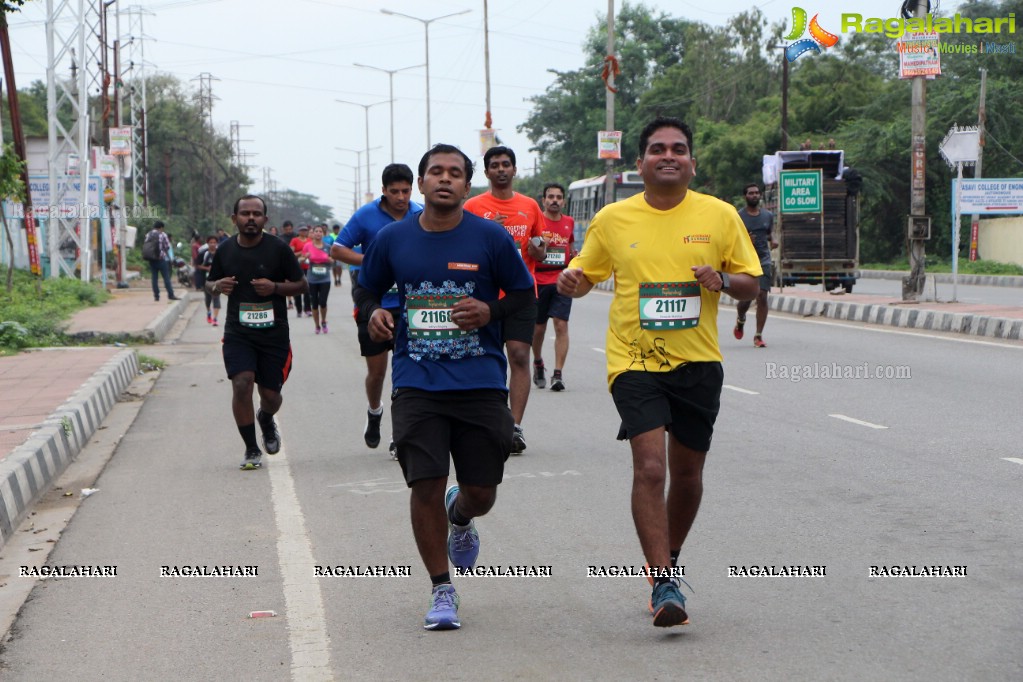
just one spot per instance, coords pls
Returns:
(725, 281)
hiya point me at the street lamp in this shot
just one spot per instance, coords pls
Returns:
(426, 25)
(366, 109)
(390, 77)
(358, 163)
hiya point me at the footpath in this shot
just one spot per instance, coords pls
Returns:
(53, 400)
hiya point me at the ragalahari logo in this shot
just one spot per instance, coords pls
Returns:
(818, 36)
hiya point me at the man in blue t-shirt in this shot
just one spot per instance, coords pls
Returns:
(450, 394)
(394, 204)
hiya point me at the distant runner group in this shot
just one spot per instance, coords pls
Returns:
(458, 291)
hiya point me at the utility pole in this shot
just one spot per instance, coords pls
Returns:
(488, 121)
(981, 120)
(205, 100)
(68, 145)
(19, 146)
(136, 80)
(609, 100)
(913, 286)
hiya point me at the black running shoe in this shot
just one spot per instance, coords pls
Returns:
(253, 459)
(539, 378)
(372, 432)
(271, 436)
(518, 441)
(393, 450)
(557, 384)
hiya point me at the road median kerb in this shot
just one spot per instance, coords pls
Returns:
(920, 318)
(33, 467)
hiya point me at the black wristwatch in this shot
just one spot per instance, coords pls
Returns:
(725, 281)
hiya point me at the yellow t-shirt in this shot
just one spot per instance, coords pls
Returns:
(660, 317)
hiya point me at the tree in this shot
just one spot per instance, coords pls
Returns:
(13, 188)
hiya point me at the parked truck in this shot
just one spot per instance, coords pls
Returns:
(799, 257)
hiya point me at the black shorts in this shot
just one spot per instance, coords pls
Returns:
(318, 294)
(474, 427)
(520, 326)
(367, 346)
(686, 400)
(269, 358)
(549, 303)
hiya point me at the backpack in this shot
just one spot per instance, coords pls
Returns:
(151, 247)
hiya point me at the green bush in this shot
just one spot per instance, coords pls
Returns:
(31, 317)
(941, 265)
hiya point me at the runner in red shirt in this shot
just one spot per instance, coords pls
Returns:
(297, 245)
(522, 218)
(559, 235)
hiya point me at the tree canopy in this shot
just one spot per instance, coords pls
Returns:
(726, 83)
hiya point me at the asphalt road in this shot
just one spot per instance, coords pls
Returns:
(920, 470)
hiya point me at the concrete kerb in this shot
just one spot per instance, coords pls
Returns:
(946, 278)
(33, 467)
(888, 315)
(158, 328)
(896, 316)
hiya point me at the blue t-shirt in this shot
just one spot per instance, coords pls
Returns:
(362, 228)
(432, 271)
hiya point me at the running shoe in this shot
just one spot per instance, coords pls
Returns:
(209, 317)
(677, 582)
(392, 449)
(669, 606)
(214, 322)
(557, 384)
(737, 332)
(271, 436)
(372, 432)
(463, 541)
(443, 613)
(318, 330)
(253, 459)
(539, 379)
(325, 330)
(758, 342)
(518, 441)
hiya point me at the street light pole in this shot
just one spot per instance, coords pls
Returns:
(426, 25)
(365, 108)
(390, 78)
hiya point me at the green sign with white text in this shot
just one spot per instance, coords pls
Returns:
(800, 191)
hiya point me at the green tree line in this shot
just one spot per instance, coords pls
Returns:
(726, 83)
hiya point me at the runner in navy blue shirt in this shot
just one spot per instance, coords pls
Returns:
(450, 399)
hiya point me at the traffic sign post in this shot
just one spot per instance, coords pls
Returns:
(800, 192)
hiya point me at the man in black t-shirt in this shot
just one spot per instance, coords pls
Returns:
(257, 274)
(759, 222)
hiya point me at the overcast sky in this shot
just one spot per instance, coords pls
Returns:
(280, 66)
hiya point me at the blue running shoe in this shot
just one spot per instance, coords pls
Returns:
(443, 613)
(463, 541)
(669, 606)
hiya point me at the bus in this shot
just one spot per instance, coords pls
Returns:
(586, 197)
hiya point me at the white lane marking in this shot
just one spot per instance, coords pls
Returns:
(872, 327)
(1017, 460)
(739, 390)
(600, 350)
(307, 623)
(857, 421)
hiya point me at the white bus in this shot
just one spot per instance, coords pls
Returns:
(586, 197)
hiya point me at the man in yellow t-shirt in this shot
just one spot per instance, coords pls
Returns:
(672, 251)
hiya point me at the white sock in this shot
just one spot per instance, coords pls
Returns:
(378, 411)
